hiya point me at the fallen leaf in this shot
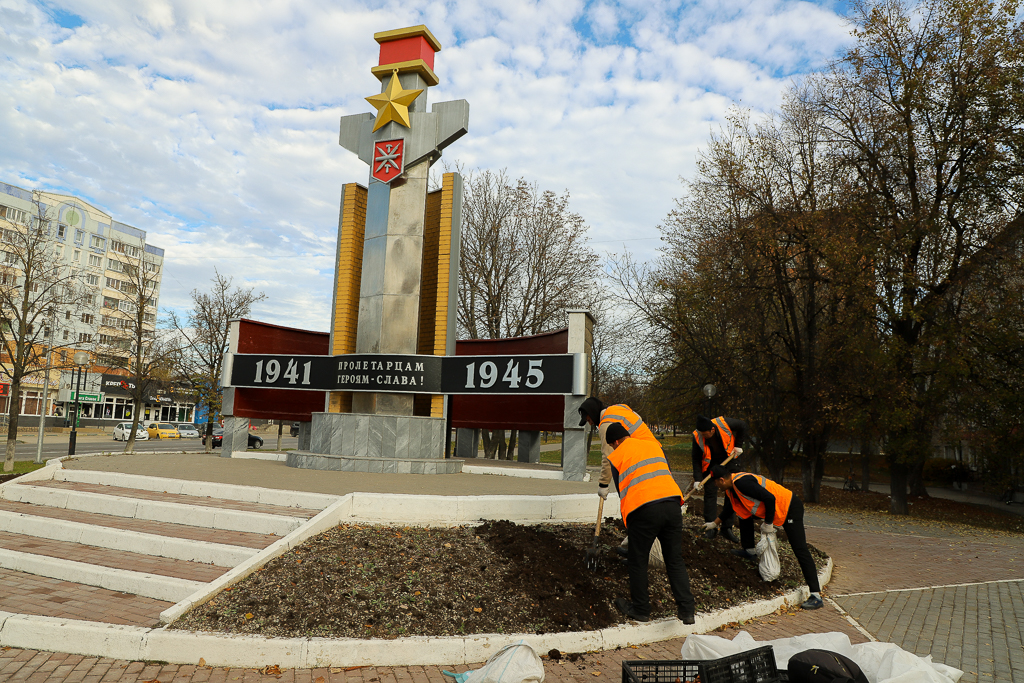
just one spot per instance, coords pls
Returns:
(248, 615)
(320, 679)
(202, 662)
(478, 609)
(271, 670)
(595, 673)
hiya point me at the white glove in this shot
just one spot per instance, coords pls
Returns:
(710, 525)
(698, 485)
(767, 528)
(736, 452)
(603, 492)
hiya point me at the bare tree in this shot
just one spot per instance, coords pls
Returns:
(128, 338)
(524, 261)
(203, 339)
(35, 287)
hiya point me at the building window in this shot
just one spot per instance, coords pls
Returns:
(77, 258)
(79, 236)
(88, 318)
(152, 267)
(126, 306)
(66, 335)
(13, 215)
(10, 257)
(114, 264)
(59, 251)
(67, 315)
(95, 261)
(62, 231)
(84, 338)
(110, 302)
(97, 242)
(149, 317)
(92, 279)
(126, 249)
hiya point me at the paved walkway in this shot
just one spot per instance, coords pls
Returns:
(955, 594)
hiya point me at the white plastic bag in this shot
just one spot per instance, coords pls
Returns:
(514, 663)
(657, 559)
(768, 550)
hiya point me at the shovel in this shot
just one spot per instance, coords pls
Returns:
(592, 559)
(694, 489)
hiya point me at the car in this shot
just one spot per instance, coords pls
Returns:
(123, 430)
(218, 439)
(294, 431)
(162, 430)
(188, 431)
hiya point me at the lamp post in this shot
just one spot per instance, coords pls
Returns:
(81, 358)
(46, 391)
(709, 390)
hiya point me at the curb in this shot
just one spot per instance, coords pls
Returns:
(133, 643)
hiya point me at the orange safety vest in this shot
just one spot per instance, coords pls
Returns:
(644, 475)
(728, 440)
(633, 423)
(746, 507)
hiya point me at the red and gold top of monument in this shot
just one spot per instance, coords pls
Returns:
(409, 49)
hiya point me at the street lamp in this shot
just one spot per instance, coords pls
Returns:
(46, 389)
(709, 390)
(81, 359)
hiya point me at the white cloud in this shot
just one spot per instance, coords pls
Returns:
(213, 124)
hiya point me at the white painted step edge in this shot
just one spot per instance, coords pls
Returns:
(113, 538)
(517, 472)
(158, 511)
(133, 643)
(249, 494)
(121, 580)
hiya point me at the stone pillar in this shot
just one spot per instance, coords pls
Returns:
(305, 430)
(529, 446)
(467, 442)
(236, 435)
(574, 441)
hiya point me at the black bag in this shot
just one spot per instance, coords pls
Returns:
(822, 666)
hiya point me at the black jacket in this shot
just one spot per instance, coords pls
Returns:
(749, 487)
(718, 454)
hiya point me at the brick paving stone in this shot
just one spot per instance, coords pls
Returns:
(105, 557)
(71, 600)
(205, 501)
(194, 533)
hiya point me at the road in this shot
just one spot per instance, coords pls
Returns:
(56, 445)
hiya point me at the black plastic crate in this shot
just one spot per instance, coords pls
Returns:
(752, 666)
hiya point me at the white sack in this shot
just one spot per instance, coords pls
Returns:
(880, 662)
(514, 663)
(767, 549)
(656, 558)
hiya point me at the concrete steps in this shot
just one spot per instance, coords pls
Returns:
(153, 541)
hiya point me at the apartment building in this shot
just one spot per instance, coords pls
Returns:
(101, 251)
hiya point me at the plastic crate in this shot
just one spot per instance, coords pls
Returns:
(752, 666)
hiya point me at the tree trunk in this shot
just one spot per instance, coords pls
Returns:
(866, 451)
(915, 480)
(208, 441)
(513, 439)
(14, 408)
(280, 433)
(807, 476)
(898, 488)
(499, 435)
(819, 471)
(490, 440)
(129, 446)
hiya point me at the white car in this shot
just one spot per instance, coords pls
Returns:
(123, 430)
(188, 431)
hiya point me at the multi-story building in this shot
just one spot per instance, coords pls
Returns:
(107, 256)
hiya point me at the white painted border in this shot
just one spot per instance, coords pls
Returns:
(524, 473)
(186, 647)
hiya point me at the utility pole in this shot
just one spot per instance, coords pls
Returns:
(46, 389)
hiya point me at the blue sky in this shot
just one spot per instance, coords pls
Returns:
(212, 124)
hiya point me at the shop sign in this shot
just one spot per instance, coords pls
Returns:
(87, 398)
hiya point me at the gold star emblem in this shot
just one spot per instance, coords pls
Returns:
(393, 103)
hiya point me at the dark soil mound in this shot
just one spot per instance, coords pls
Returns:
(383, 582)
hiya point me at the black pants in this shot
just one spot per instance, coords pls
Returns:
(662, 520)
(797, 535)
(711, 504)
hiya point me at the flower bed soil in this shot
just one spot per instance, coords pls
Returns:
(363, 581)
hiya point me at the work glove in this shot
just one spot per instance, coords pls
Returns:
(602, 491)
(698, 485)
(736, 452)
(767, 528)
(708, 526)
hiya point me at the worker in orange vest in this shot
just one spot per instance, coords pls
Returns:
(713, 442)
(651, 505)
(593, 412)
(752, 497)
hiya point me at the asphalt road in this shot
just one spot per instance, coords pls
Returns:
(56, 445)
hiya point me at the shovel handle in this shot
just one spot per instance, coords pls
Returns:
(600, 512)
(693, 490)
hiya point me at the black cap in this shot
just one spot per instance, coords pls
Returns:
(704, 424)
(615, 432)
(591, 407)
(719, 472)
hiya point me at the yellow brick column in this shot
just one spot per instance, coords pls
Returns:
(348, 270)
(447, 259)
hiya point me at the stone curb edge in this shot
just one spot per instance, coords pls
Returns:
(133, 643)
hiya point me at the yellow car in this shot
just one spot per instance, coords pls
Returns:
(162, 430)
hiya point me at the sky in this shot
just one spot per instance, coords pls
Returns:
(213, 124)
